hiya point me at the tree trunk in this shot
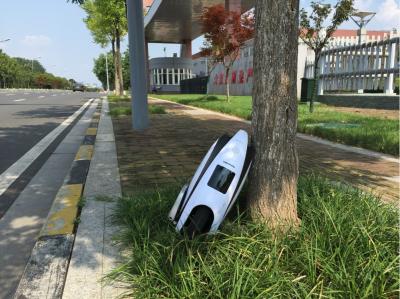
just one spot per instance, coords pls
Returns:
(315, 87)
(227, 84)
(116, 83)
(273, 179)
(118, 64)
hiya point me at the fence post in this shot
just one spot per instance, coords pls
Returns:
(361, 69)
(389, 78)
(321, 71)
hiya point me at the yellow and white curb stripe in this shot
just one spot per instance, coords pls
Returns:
(45, 273)
(61, 219)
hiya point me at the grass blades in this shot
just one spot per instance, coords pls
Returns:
(239, 105)
(347, 247)
(374, 133)
(118, 109)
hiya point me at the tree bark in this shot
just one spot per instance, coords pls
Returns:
(115, 69)
(273, 179)
(118, 65)
(227, 84)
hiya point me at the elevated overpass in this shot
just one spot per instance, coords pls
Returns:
(166, 21)
(176, 21)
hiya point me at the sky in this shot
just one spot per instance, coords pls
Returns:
(54, 31)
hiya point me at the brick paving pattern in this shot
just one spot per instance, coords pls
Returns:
(171, 149)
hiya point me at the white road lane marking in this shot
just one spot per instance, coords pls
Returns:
(15, 170)
(40, 97)
(20, 100)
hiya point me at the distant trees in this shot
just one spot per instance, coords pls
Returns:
(99, 70)
(316, 34)
(17, 73)
(106, 19)
(225, 33)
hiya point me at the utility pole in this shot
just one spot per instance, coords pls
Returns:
(33, 59)
(140, 117)
(108, 81)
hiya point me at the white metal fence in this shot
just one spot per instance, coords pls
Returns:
(370, 66)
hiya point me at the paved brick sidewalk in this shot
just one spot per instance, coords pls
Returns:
(170, 150)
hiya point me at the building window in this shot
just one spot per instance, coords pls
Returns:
(164, 77)
(154, 76)
(181, 74)
(176, 77)
(170, 77)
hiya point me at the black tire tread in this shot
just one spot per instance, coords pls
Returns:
(198, 221)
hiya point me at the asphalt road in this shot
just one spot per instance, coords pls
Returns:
(28, 116)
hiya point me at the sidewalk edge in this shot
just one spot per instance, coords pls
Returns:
(341, 146)
(46, 270)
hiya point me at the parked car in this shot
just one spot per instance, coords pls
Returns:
(78, 87)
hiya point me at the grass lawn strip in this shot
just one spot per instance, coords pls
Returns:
(373, 133)
(346, 247)
(122, 107)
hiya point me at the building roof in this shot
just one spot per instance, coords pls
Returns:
(353, 33)
(174, 21)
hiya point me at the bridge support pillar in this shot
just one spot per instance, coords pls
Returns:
(140, 117)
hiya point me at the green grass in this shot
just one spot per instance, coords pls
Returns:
(120, 106)
(374, 133)
(118, 99)
(239, 105)
(118, 110)
(346, 247)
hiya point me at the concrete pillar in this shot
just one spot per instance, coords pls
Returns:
(362, 36)
(186, 49)
(146, 50)
(140, 117)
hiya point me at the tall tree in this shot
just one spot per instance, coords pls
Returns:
(273, 179)
(225, 33)
(106, 19)
(315, 33)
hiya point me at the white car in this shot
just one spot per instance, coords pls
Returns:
(203, 204)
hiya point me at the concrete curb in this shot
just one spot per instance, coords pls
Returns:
(45, 273)
(95, 254)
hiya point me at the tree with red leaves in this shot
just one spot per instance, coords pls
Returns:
(225, 33)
